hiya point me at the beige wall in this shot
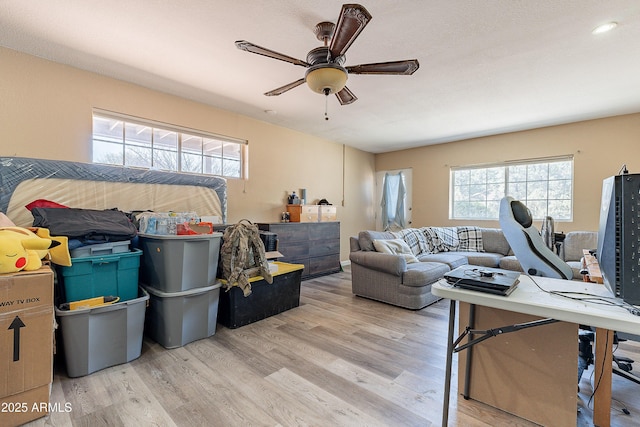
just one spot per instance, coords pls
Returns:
(600, 148)
(45, 112)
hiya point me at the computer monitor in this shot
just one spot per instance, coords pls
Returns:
(618, 251)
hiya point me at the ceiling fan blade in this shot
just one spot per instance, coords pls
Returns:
(285, 88)
(250, 47)
(346, 97)
(405, 68)
(353, 18)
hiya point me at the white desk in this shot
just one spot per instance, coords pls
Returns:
(530, 300)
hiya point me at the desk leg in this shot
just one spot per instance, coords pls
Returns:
(602, 378)
(467, 369)
(447, 380)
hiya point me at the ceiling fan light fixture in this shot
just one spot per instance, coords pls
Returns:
(326, 78)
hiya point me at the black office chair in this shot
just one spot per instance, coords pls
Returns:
(537, 259)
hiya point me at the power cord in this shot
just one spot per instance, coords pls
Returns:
(595, 299)
(623, 406)
(587, 297)
(597, 385)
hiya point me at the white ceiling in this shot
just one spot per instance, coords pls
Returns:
(486, 67)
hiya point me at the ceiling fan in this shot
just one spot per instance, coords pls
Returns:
(325, 71)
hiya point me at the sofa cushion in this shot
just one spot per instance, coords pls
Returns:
(470, 239)
(423, 273)
(510, 263)
(395, 247)
(451, 259)
(484, 259)
(493, 240)
(574, 243)
(366, 238)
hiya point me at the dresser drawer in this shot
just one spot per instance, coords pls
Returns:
(324, 264)
(288, 232)
(293, 250)
(324, 230)
(324, 247)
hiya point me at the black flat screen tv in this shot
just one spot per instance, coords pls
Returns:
(618, 251)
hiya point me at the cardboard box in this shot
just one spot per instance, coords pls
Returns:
(328, 213)
(26, 342)
(303, 213)
(26, 406)
(312, 213)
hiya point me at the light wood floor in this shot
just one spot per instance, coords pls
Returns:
(337, 360)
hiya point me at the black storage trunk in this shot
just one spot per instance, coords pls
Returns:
(235, 310)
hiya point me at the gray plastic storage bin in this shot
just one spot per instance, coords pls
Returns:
(101, 249)
(100, 337)
(179, 263)
(178, 318)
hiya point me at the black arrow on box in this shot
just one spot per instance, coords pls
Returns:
(16, 325)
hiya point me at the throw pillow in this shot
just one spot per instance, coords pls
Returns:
(470, 239)
(415, 239)
(395, 247)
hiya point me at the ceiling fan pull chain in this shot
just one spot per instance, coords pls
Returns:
(326, 104)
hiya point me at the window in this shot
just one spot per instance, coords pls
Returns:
(544, 185)
(128, 141)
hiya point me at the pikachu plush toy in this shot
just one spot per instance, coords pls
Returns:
(24, 249)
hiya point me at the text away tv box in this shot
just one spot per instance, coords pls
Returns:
(26, 345)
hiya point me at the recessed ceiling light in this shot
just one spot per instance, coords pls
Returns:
(604, 28)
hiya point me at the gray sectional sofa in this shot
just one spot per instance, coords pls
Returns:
(404, 279)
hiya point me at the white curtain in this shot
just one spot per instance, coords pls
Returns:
(393, 195)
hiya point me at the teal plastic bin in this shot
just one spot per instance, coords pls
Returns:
(106, 275)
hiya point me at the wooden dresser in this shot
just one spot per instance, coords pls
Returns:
(314, 244)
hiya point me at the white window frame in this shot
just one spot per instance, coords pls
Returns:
(497, 185)
(183, 134)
